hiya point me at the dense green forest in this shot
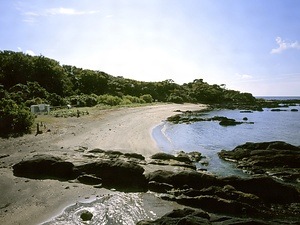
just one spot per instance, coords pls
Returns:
(27, 80)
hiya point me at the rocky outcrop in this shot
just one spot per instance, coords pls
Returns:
(182, 159)
(252, 197)
(113, 173)
(188, 216)
(278, 159)
(183, 179)
(117, 174)
(44, 167)
(236, 198)
(187, 118)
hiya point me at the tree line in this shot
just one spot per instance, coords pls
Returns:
(27, 80)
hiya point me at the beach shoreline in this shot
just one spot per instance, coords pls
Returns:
(26, 201)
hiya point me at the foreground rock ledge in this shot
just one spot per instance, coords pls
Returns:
(218, 200)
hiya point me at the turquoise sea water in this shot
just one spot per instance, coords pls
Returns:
(209, 137)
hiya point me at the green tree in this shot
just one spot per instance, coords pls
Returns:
(14, 118)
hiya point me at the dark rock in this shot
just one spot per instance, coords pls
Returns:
(159, 187)
(116, 173)
(86, 216)
(265, 188)
(216, 204)
(195, 156)
(113, 153)
(189, 156)
(229, 122)
(182, 158)
(277, 110)
(89, 179)
(191, 179)
(186, 165)
(134, 155)
(162, 156)
(267, 157)
(181, 217)
(4, 156)
(97, 150)
(189, 216)
(43, 167)
(294, 110)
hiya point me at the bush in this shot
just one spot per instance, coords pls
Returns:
(14, 118)
(147, 98)
(109, 100)
(133, 99)
(175, 99)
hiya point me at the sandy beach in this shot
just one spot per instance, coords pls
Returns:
(27, 201)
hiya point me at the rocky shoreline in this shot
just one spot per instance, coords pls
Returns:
(260, 199)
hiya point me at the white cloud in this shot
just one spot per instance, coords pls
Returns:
(283, 45)
(31, 15)
(67, 11)
(244, 76)
(30, 52)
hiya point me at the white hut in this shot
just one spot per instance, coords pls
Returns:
(40, 108)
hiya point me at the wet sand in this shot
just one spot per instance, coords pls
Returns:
(26, 201)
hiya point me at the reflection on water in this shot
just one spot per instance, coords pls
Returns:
(115, 209)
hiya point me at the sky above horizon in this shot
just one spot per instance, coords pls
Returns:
(251, 46)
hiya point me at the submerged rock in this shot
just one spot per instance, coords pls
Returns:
(86, 216)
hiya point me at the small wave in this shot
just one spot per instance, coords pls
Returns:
(113, 209)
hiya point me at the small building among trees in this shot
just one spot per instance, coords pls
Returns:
(40, 108)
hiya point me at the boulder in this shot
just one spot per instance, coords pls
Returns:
(89, 179)
(44, 167)
(182, 179)
(162, 156)
(189, 156)
(134, 155)
(116, 173)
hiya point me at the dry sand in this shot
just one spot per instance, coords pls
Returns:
(26, 201)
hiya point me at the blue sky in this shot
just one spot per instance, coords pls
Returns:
(251, 46)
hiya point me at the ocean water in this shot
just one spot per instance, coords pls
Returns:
(209, 137)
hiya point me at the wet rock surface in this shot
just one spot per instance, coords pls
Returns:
(189, 117)
(212, 199)
(277, 159)
(188, 216)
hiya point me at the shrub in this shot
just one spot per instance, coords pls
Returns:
(147, 98)
(109, 100)
(14, 118)
(133, 99)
